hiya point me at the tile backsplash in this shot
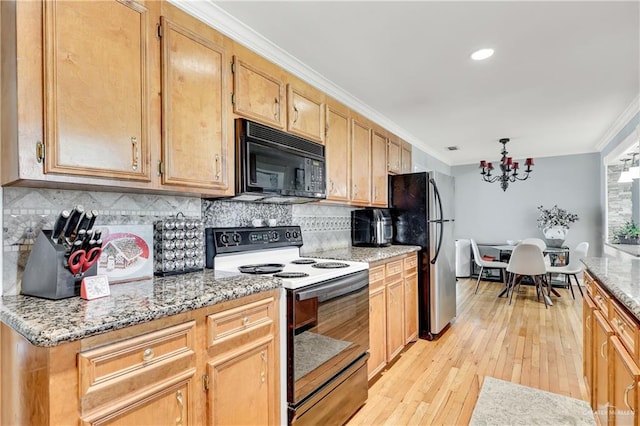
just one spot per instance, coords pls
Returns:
(26, 211)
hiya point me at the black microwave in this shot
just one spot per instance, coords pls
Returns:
(275, 164)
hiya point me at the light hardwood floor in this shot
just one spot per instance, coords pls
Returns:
(438, 382)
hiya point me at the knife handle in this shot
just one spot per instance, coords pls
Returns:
(94, 215)
(58, 226)
(73, 220)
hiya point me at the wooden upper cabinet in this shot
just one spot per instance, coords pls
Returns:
(305, 112)
(196, 146)
(394, 153)
(257, 94)
(96, 85)
(337, 152)
(406, 163)
(360, 162)
(379, 169)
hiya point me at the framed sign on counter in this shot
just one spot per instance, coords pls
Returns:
(127, 253)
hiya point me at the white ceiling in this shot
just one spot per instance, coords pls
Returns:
(562, 72)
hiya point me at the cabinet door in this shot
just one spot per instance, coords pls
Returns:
(360, 163)
(394, 156)
(377, 331)
(305, 113)
(411, 308)
(600, 367)
(243, 386)
(257, 95)
(170, 406)
(196, 151)
(379, 169)
(625, 375)
(588, 350)
(337, 153)
(96, 72)
(395, 318)
(406, 165)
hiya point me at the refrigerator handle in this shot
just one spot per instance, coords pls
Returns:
(439, 220)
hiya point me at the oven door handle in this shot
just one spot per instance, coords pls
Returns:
(336, 288)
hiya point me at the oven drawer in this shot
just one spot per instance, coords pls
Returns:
(255, 318)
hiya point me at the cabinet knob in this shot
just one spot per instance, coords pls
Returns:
(245, 320)
(148, 354)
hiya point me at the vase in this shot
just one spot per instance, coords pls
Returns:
(555, 235)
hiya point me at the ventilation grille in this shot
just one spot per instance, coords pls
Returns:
(267, 134)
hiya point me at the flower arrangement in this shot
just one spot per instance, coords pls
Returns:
(555, 216)
(627, 234)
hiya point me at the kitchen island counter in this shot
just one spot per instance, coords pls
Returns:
(49, 323)
(364, 254)
(621, 277)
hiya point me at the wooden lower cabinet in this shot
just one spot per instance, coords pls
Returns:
(393, 309)
(625, 376)
(243, 378)
(377, 322)
(216, 365)
(611, 357)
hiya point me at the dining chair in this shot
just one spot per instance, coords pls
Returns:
(573, 268)
(540, 243)
(527, 260)
(486, 264)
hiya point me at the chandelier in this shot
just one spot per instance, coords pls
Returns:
(508, 167)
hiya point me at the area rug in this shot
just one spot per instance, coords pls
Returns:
(505, 403)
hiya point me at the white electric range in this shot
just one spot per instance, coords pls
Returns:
(324, 316)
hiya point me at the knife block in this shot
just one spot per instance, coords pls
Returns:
(46, 274)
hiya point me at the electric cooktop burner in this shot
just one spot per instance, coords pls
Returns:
(330, 265)
(303, 261)
(291, 275)
(261, 268)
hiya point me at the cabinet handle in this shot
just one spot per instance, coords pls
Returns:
(587, 321)
(355, 190)
(134, 152)
(295, 114)
(263, 373)
(180, 406)
(626, 396)
(375, 193)
(621, 326)
(276, 112)
(602, 349)
(217, 167)
(332, 185)
(148, 354)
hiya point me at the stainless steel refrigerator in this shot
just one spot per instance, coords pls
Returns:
(421, 207)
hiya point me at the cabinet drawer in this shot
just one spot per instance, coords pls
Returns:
(376, 274)
(601, 298)
(625, 328)
(410, 264)
(113, 371)
(394, 267)
(590, 284)
(249, 318)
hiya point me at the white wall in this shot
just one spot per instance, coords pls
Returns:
(489, 215)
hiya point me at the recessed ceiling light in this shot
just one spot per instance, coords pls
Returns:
(481, 54)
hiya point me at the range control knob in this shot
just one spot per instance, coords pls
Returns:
(295, 235)
(236, 238)
(224, 239)
(275, 236)
(287, 235)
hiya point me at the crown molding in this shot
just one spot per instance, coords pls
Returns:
(620, 122)
(213, 15)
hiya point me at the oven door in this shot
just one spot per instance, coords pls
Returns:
(328, 330)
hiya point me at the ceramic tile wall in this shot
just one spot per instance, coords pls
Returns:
(26, 211)
(324, 227)
(228, 213)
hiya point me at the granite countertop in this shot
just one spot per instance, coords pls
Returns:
(621, 277)
(632, 249)
(52, 322)
(364, 254)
